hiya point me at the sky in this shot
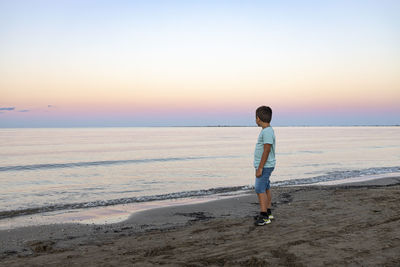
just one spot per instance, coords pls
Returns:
(195, 63)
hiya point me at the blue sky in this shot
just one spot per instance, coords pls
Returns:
(160, 63)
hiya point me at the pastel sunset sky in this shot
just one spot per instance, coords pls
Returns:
(70, 63)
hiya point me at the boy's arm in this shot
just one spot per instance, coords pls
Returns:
(264, 157)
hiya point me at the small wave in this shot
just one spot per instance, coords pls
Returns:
(102, 203)
(310, 152)
(98, 163)
(338, 175)
(330, 176)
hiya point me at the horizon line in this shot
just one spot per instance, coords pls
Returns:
(202, 126)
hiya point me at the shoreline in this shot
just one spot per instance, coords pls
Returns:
(200, 126)
(105, 214)
(330, 222)
(116, 213)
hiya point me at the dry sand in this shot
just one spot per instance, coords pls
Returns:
(345, 225)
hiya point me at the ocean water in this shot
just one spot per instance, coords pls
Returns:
(59, 169)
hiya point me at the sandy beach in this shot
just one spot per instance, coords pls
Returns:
(343, 225)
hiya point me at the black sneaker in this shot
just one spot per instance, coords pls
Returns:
(271, 217)
(262, 220)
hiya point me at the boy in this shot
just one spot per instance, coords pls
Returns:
(264, 163)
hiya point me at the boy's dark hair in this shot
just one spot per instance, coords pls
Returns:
(264, 113)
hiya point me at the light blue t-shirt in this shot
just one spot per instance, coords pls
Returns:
(266, 136)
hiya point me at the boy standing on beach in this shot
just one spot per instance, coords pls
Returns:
(264, 163)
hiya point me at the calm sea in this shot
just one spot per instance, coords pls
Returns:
(74, 168)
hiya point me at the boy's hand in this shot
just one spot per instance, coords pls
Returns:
(258, 173)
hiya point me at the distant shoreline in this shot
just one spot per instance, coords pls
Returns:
(194, 126)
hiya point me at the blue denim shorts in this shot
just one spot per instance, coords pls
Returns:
(262, 182)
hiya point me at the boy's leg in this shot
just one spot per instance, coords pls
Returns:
(262, 198)
(268, 193)
(263, 218)
(261, 185)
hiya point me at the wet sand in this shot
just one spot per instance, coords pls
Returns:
(343, 225)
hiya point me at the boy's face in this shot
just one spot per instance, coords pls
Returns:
(258, 121)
